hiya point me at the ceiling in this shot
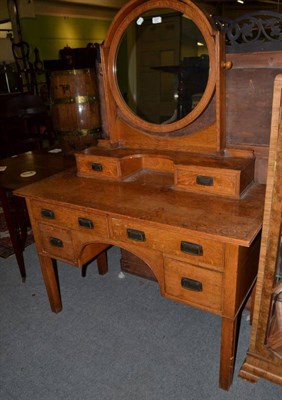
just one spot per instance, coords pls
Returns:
(267, 4)
(233, 8)
(99, 3)
(247, 3)
(108, 8)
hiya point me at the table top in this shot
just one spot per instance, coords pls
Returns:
(228, 220)
(43, 163)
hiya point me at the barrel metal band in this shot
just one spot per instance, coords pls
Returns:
(75, 100)
(95, 132)
(72, 72)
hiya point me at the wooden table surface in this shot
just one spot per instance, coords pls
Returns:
(44, 163)
(212, 216)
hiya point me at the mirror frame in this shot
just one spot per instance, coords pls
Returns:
(127, 15)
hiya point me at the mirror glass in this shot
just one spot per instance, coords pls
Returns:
(162, 66)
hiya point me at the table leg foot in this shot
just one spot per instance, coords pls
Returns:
(102, 262)
(50, 276)
(229, 337)
(20, 261)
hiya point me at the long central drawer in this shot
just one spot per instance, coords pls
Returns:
(193, 249)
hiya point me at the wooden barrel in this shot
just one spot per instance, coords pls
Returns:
(75, 108)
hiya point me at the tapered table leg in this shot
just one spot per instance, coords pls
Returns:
(102, 262)
(229, 336)
(50, 276)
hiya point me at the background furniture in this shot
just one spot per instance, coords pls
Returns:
(264, 358)
(45, 165)
(25, 124)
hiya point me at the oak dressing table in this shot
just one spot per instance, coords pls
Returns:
(160, 185)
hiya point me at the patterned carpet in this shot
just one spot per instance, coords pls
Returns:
(6, 248)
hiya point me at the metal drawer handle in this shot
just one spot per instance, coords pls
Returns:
(47, 213)
(204, 180)
(191, 248)
(191, 284)
(136, 235)
(97, 167)
(85, 223)
(56, 242)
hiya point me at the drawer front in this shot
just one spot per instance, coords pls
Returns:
(208, 180)
(97, 166)
(92, 223)
(193, 285)
(56, 242)
(188, 247)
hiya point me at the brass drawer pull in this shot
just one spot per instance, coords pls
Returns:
(47, 213)
(204, 180)
(191, 284)
(85, 223)
(56, 242)
(191, 248)
(97, 167)
(136, 235)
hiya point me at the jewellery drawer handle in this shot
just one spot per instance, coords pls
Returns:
(136, 235)
(204, 180)
(191, 248)
(85, 223)
(97, 167)
(47, 213)
(191, 284)
(56, 242)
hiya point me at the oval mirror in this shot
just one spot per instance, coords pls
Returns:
(162, 66)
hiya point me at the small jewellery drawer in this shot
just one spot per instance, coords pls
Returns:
(193, 285)
(186, 246)
(91, 222)
(56, 241)
(97, 166)
(218, 181)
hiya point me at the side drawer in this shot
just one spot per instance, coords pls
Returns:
(193, 285)
(98, 166)
(191, 248)
(56, 242)
(208, 180)
(90, 222)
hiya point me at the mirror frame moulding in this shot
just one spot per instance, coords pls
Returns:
(127, 15)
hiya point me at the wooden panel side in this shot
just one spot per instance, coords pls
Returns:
(249, 86)
(241, 265)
